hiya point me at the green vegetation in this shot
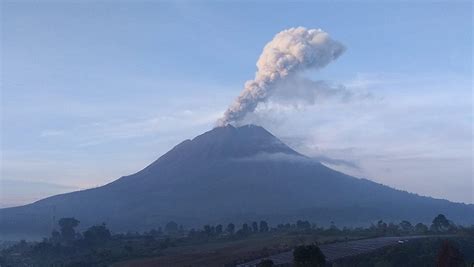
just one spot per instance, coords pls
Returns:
(97, 246)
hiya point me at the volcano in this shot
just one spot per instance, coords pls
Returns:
(230, 174)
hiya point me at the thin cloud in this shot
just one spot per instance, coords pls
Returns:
(415, 126)
(337, 162)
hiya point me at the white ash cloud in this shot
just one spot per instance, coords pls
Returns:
(289, 53)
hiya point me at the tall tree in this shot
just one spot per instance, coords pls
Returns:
(55, 236)
(97, 234)
(440, 224)
(255, 227)
(381, 227)
(305, 225)
(67, 226)
(219, 229)
(421, 228)
(406, 226)
(245, 228)
(230, 228)
(263, 226)
(208, 230)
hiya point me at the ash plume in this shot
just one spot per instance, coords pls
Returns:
(290, 52)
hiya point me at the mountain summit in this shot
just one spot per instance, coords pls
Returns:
(230, 174)
(227, 142)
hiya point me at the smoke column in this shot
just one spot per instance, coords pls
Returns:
(291, 51)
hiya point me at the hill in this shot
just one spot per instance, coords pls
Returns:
(229, 174)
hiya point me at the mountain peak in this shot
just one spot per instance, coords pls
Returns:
(242, 141)
(244, 127)
(211, 179)
(247, 130)
(228, 142)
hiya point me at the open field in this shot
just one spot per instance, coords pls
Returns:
(222, 253)
(335, 251)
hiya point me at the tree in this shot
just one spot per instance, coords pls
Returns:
(230, 228)
(265, 263)
(406, 226)
(332, 228)
(208, 230)
(97, 234)
(255, 227)
(55, 236)
(219, 229)
(263, 226)
(440, 224)
(393, 229)
(171, 227)
(305, 225)
(449, 256)
(67, 226)
(421, 228)
(192, 233)
(154, 232)
(245, 228)
(381, 227)
(310, 255)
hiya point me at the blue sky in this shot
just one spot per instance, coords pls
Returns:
(95, 91)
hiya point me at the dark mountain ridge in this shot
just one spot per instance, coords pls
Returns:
(226, 175)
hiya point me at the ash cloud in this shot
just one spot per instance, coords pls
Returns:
(301, 91)
(290, 52)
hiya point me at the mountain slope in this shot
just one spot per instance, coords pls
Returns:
(230, 174)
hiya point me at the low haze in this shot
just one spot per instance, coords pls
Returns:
(92, 92)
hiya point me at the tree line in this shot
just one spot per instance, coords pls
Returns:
(97, 244)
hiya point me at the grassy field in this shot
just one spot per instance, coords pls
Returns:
(420, 252)
(229, 252)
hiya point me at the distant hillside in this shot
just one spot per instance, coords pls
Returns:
(230, 175)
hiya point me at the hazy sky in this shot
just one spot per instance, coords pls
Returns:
(95, 91)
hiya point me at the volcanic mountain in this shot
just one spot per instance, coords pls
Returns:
(227, 175)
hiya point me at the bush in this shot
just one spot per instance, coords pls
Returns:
(97, 235)
(309, 255)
